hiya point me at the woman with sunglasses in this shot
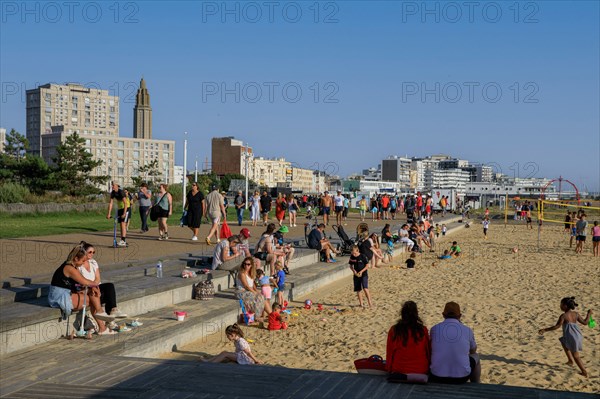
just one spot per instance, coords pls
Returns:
(65, 290)
(246, 290)
(90, 270)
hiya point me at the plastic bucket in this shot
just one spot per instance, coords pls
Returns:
(180, 315)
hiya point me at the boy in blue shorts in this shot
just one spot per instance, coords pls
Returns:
(280, 280)
(359, 264)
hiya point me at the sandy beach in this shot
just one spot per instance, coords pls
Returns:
(505, 297)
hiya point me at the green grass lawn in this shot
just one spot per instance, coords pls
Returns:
(43, 224)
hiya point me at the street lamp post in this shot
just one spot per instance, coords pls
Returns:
(196, 170)
(184, 168)
(246, 174)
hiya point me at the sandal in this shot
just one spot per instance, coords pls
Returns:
(136, 323)
(107, 331)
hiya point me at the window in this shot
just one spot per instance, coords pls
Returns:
(136, 154)
(120, 154)
(136, 144)
(166, 147)
(121, 144)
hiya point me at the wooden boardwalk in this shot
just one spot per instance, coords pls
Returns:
(102, 376)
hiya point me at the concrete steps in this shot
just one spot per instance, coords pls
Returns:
(28, 322)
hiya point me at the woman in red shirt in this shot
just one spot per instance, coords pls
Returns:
(408, 346)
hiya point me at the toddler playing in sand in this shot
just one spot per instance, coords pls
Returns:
(276, 321)
(455, 249)
(572, 339)
(242, 355)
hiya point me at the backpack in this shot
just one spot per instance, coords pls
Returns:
(90, 323)
(204, 290)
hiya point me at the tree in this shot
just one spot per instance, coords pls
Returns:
(149, 174)
(225, 181)
(75, 167)
(35, 174)
(16, 145)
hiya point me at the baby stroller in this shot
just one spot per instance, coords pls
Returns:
(410, 216)
(347, 243)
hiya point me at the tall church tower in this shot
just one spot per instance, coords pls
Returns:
(142, 113)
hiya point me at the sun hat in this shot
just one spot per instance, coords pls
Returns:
(284, 229)
(245, 232)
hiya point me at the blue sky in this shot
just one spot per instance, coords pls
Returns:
(345, 83)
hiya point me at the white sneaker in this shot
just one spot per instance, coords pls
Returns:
(104, 317)
(194, 238)
(118, 314)
(122, 243)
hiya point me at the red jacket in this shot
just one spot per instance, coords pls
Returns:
(412, 358)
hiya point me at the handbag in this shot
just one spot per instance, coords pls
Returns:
(372, 365)
(183, 221)
(155, 210)
(204, 290)
(225, 231)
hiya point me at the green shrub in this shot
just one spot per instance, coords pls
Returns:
(13, 192)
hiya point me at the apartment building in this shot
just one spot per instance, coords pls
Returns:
(56, 111)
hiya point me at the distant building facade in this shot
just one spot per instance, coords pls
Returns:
(229, 156)
(2, 139)
(56, 111)
(178, 174)
(396, 169)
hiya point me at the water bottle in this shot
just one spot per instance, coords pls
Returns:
(159, 269)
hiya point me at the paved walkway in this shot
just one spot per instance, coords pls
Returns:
(73, 374)
(21, 258)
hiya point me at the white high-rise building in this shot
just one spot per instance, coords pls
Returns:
(55, 112)
(2, 139)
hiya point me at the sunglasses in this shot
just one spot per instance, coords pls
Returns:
(91, 252)
(247, 264)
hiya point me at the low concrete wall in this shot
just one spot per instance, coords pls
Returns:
(51, 207)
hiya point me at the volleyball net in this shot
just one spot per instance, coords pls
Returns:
(556, 212)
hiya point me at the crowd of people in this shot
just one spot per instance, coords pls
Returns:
(447, 352)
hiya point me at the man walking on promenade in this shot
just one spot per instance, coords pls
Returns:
(339, 207)
(145, 200)
(240, 204)
(326, 202)
(215, 208)
(265, 206)
(119, 195)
